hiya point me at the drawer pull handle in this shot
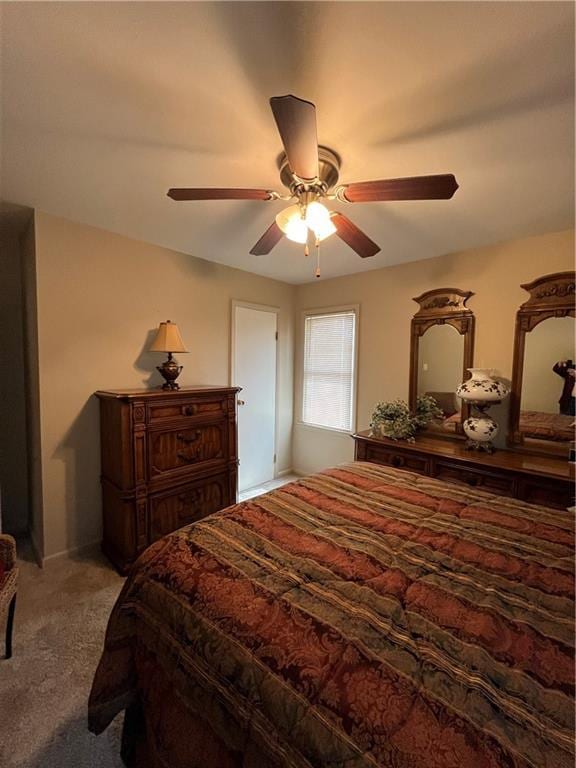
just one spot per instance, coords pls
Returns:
(398, 461)
(189, 459)
(189, 410)
(185, 439)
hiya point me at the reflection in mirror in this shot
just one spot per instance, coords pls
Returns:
(547, 401)
(440, 364)
(441, 351)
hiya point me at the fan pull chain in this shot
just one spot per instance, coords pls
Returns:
(317, 257)
(306, 250)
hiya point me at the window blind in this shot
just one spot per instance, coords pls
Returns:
(328, 391)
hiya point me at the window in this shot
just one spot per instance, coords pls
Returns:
(329, 363)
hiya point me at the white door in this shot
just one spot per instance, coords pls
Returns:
(254, 369)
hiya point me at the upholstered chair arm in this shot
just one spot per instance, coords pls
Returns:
(7, 551)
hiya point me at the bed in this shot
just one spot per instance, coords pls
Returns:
(547, 426)
(362, 616)
(534, 424)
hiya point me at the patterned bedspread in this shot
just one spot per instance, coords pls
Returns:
(534, 424)
(363, 616)
(547, 426)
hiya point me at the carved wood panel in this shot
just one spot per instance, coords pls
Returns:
(182, 447)
(443, 302)
(141, 521)
(173, 510)
(139, 456)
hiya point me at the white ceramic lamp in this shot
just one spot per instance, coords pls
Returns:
(481, 391)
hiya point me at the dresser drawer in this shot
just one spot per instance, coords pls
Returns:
(173, 509)
(175, 451)
(549, 493)
(185, 409)
(493, 482)
(384, 455)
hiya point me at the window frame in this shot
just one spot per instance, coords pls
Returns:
(318, 312)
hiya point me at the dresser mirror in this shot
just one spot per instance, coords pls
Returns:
(441, 351)
(544, 370)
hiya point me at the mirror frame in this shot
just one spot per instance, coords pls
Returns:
(442, 306)
(550, 296)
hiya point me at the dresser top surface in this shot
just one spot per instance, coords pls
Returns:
(454, 449)
(139, 394)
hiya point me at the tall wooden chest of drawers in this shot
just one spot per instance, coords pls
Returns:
(168, 459)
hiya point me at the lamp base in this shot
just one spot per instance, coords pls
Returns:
(480, 429)
(476, 445)
(170, 370)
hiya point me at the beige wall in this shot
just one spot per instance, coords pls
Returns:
(386, 308)
(100, 296)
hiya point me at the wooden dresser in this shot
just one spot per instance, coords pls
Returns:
(168, 459)
(536, 479)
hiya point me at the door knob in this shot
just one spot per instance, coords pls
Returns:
(241, 402)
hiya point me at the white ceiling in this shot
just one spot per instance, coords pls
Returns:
(107, 105)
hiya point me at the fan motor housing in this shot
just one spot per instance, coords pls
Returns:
(328, 168)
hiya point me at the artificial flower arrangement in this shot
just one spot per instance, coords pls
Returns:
(395, 420)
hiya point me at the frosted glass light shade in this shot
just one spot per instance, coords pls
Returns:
(168, 339)
(297, 230)
(316, 215)
(319, 221)
(292, 224)
(325, 229)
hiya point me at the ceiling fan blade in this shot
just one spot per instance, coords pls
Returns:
(208, 193)
(439, 187)
(296, 121)
(353, 236)
(269, 239)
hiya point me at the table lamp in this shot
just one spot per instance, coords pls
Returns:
(168, 339)
(481, 391)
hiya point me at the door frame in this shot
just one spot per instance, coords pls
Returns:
(261, 308)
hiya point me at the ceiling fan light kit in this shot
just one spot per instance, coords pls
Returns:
(297, 221)
(293, 224)
(311, 173)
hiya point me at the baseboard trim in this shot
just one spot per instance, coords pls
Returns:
(35, 549)
(289, 471)
(83, 549)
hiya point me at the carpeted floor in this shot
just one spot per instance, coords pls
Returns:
(61, 616)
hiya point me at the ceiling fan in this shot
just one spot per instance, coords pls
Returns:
(311, 172)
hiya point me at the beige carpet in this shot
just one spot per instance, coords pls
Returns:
(61, 616)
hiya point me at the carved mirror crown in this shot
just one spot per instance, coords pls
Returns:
(550, 296)
(443, 302)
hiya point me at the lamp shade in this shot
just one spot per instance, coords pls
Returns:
(482, 388)
(168, 339)
(292, 224)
